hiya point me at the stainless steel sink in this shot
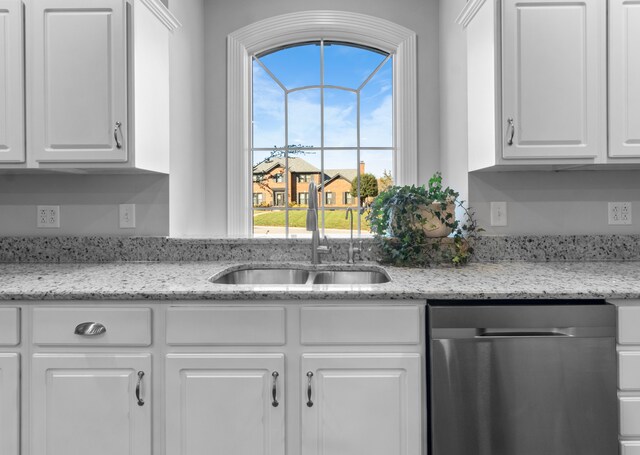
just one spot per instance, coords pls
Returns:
(350, 277)
(263, 276)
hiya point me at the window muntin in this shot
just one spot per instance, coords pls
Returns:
(323, 125)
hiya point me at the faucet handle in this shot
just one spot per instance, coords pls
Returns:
(326, 248)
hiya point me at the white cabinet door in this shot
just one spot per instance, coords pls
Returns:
(87, 403)
(624, 78)
(9, 404)
(78, 80)
(12, 140)
(361, 404)
(554, 79)
(224, 404)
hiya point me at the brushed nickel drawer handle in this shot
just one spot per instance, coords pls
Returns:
(117, 130)
(511, 131)
(90, 329)
(140, 400)
(274, 390)
(309, 401)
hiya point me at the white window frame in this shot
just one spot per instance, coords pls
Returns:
(307, 26)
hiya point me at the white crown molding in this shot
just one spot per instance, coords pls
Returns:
(163, 14)
(305, 26)
(469, 12)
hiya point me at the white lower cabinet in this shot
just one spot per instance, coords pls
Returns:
(9, 403)
(90, 403)
(229, 404)
(361, 404)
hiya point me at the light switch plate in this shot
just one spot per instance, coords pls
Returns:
(498, 214)
(48, 216)
(127, 216)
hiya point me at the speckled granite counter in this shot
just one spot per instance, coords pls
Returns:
(189, 281)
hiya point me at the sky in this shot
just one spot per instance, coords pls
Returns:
(344, 66)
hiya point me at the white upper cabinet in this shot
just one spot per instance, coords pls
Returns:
(624, 78)
(554, 79)
(12, 130)
(95, 93)
(78, 81)
(537, 83)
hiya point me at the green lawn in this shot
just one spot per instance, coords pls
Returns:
(332, 220)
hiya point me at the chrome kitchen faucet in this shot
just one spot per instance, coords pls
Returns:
(312, 225)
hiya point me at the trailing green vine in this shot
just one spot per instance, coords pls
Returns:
(401, 218)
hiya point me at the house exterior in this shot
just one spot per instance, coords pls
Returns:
(269, 184)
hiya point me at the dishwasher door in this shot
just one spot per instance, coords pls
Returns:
(523, 380)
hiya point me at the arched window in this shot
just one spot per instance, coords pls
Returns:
(322, 113)
(298, 109)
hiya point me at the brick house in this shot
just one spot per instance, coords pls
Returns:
(269, 184)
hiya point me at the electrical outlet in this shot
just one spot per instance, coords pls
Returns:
(127, 216)
(498, 214)
(48, 216)
(620, 213)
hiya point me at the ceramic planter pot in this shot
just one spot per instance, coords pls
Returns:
(431, 224)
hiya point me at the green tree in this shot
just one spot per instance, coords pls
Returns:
(386, 181)
(368, 187)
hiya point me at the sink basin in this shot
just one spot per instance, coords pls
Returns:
(350, 277)
(263, 276)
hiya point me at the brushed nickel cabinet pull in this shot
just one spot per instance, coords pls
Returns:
(140, 400)
(309, 376)
(511, 130)
(90, 329)
(274, 390)
(117, 130)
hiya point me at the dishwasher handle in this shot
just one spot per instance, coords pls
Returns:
(479, 333)
(525, 332)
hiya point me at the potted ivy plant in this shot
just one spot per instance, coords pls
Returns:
(417, 226)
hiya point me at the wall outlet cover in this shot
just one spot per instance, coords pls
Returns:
(498, 214)
(127, 216)
(619, 213)
(48, 216)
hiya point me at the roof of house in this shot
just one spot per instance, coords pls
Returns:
(299, 166)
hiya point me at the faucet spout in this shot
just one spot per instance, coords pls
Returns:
(312, 226)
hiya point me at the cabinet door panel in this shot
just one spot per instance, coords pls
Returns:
(9, 403)
(79, 80)
(362, 404)
(554, 78)
(12, 140)
(222, 404)
(624, 77)
(86, 403)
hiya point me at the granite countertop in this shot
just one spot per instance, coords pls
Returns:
(189, 281)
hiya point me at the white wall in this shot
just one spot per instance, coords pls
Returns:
(88, 203)
(223, 17)
(453, 98)
(188, 176)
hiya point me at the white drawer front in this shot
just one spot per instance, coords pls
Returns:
(630, 448)
(360, 325)
(124, 326)
(226, 326)
(629, 324)
(629, 416)
(9, 326)
(629, 370)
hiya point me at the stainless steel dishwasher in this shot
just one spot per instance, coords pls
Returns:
(523, 379)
